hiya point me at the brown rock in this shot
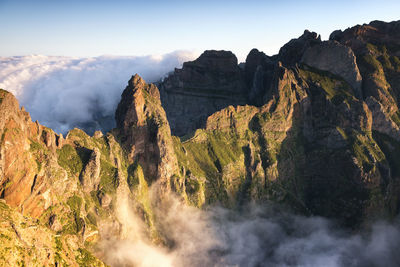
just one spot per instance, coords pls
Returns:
(98, 134)
(337, 59)
(144, 130)
(105, 199)
(258, 71)
(90, 176)
(202, 87)
(381, 121)
(292, 52)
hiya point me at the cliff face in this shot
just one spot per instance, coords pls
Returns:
(76, 190)
(314, 128)
(322, 137)
(40, 180)
(377, 47)
(145, 133)
(202, 87)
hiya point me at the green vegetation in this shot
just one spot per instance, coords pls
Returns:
(59, 261)
(262, 118)
(80, 137)
(208, 158)
(85, 258)
(224, 149)
(396, 118)
(366, 151)
(92, 218)
(395, 63)
(135, 175)
(379, 65)
(75, 204)
(372, 63)
(108, 177)
(35, 146)
(103, 146)
(4, 206)
(205, 156)
(342, 132)
(336, 89)
(40, 153)
(391, 148)
(380, 58)
(58, 243)
(3, 236)
(69, 159)
(139, 187)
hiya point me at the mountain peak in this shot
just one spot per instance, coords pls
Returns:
(136, 81)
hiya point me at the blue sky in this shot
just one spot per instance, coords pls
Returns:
(116, 27)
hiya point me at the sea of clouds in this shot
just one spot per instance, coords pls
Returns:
(257, 236)
(67, 92)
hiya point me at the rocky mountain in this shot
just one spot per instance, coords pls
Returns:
(314, 129)
(202, 87)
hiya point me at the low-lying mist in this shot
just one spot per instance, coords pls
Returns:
(64, 92)
(255, 236)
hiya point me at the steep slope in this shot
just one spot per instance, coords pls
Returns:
(25, 242)
(80, 188)
(377, 47)
(145, 133)
(35, 181)
(319, 141)
(202, 87)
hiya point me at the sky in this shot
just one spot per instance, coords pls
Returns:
(87, 28)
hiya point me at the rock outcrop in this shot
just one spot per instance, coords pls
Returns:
(259, 69)
(323, 123)
(36, 182)
(25, 242)
(337, 59)
(146, 133)
(202, 87)
(292, 52)
(90, 175)
(376, 47)
(20, 168)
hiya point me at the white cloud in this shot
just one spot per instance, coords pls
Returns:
(66, 92)
(257, 236)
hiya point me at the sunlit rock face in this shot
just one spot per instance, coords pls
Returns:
(337, 59)
(145, 132)
(376, 47)
(320, 124)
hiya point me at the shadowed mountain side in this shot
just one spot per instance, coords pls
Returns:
(202, 87)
